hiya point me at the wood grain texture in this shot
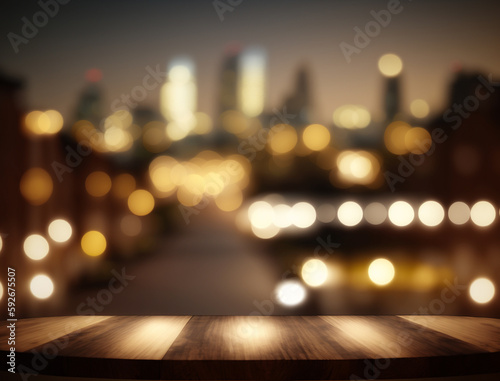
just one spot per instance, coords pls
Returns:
(483, 332)
(31, 333)
(262, 347)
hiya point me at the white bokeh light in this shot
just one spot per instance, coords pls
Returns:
(303, 215)
(290, 292)
(401, 213)
(350, 213)
(36, 247)
(41, 286)
(431, 213)
(482, 290)
(483, 213)
(381, 271)
(60, 230)
(314, 272)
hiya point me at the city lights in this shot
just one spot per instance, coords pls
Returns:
(381, 271)
(314, 272)
(36, 247)
(316, 137)
(93, 243)
(41, 286)
(482, 290)
(60, 230)
(290, 292)
(390, 65)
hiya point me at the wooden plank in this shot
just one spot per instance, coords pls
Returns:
(481, 332)
(127, 337)
(392, 337)
(31, 333)
(258, 338)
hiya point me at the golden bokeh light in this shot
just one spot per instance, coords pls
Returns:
(395, 137)
(43, 123)
(390, 65)
(282, 139)
(290, 292)
(36, 247)
(357, 167)
(41, 286)
(316, 137)
(93, 243)
(419, 108)
(303, 215)
(141, 202)
(123, 185)
(229, 199)
(60, 230)
(417, 140)
(351, 117)
(98, 184)
(36, 186)
(381, 271)
(314, 272)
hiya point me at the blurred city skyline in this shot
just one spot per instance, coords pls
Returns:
(123, 39)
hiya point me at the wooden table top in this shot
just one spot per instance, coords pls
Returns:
(256, 347)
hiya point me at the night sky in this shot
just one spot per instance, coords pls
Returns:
(122, 38)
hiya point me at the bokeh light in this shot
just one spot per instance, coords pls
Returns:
(390, 65)
(483, 213)
(36, 186)
(261, 214)
(431, 213)
(459, 213)
(123, 185)
(401, 213)
(316, 137)
(303, 215)
(290, 292)
(141, 202)
(419, 108)
(375, 213)
(314, 272)
(98, 183)
(131, 225)
(326, 213)
(282, 139)
(350, 213)
(36, 247)
(41, 286)
(482, 290)
(60, 230)
(93, 243)
(283, 215)
(351, 117)
(381, 271)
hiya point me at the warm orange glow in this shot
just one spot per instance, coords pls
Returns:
(93, 243)
(98, 184)
(36, 186)
(316, 137)
(141, 202)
